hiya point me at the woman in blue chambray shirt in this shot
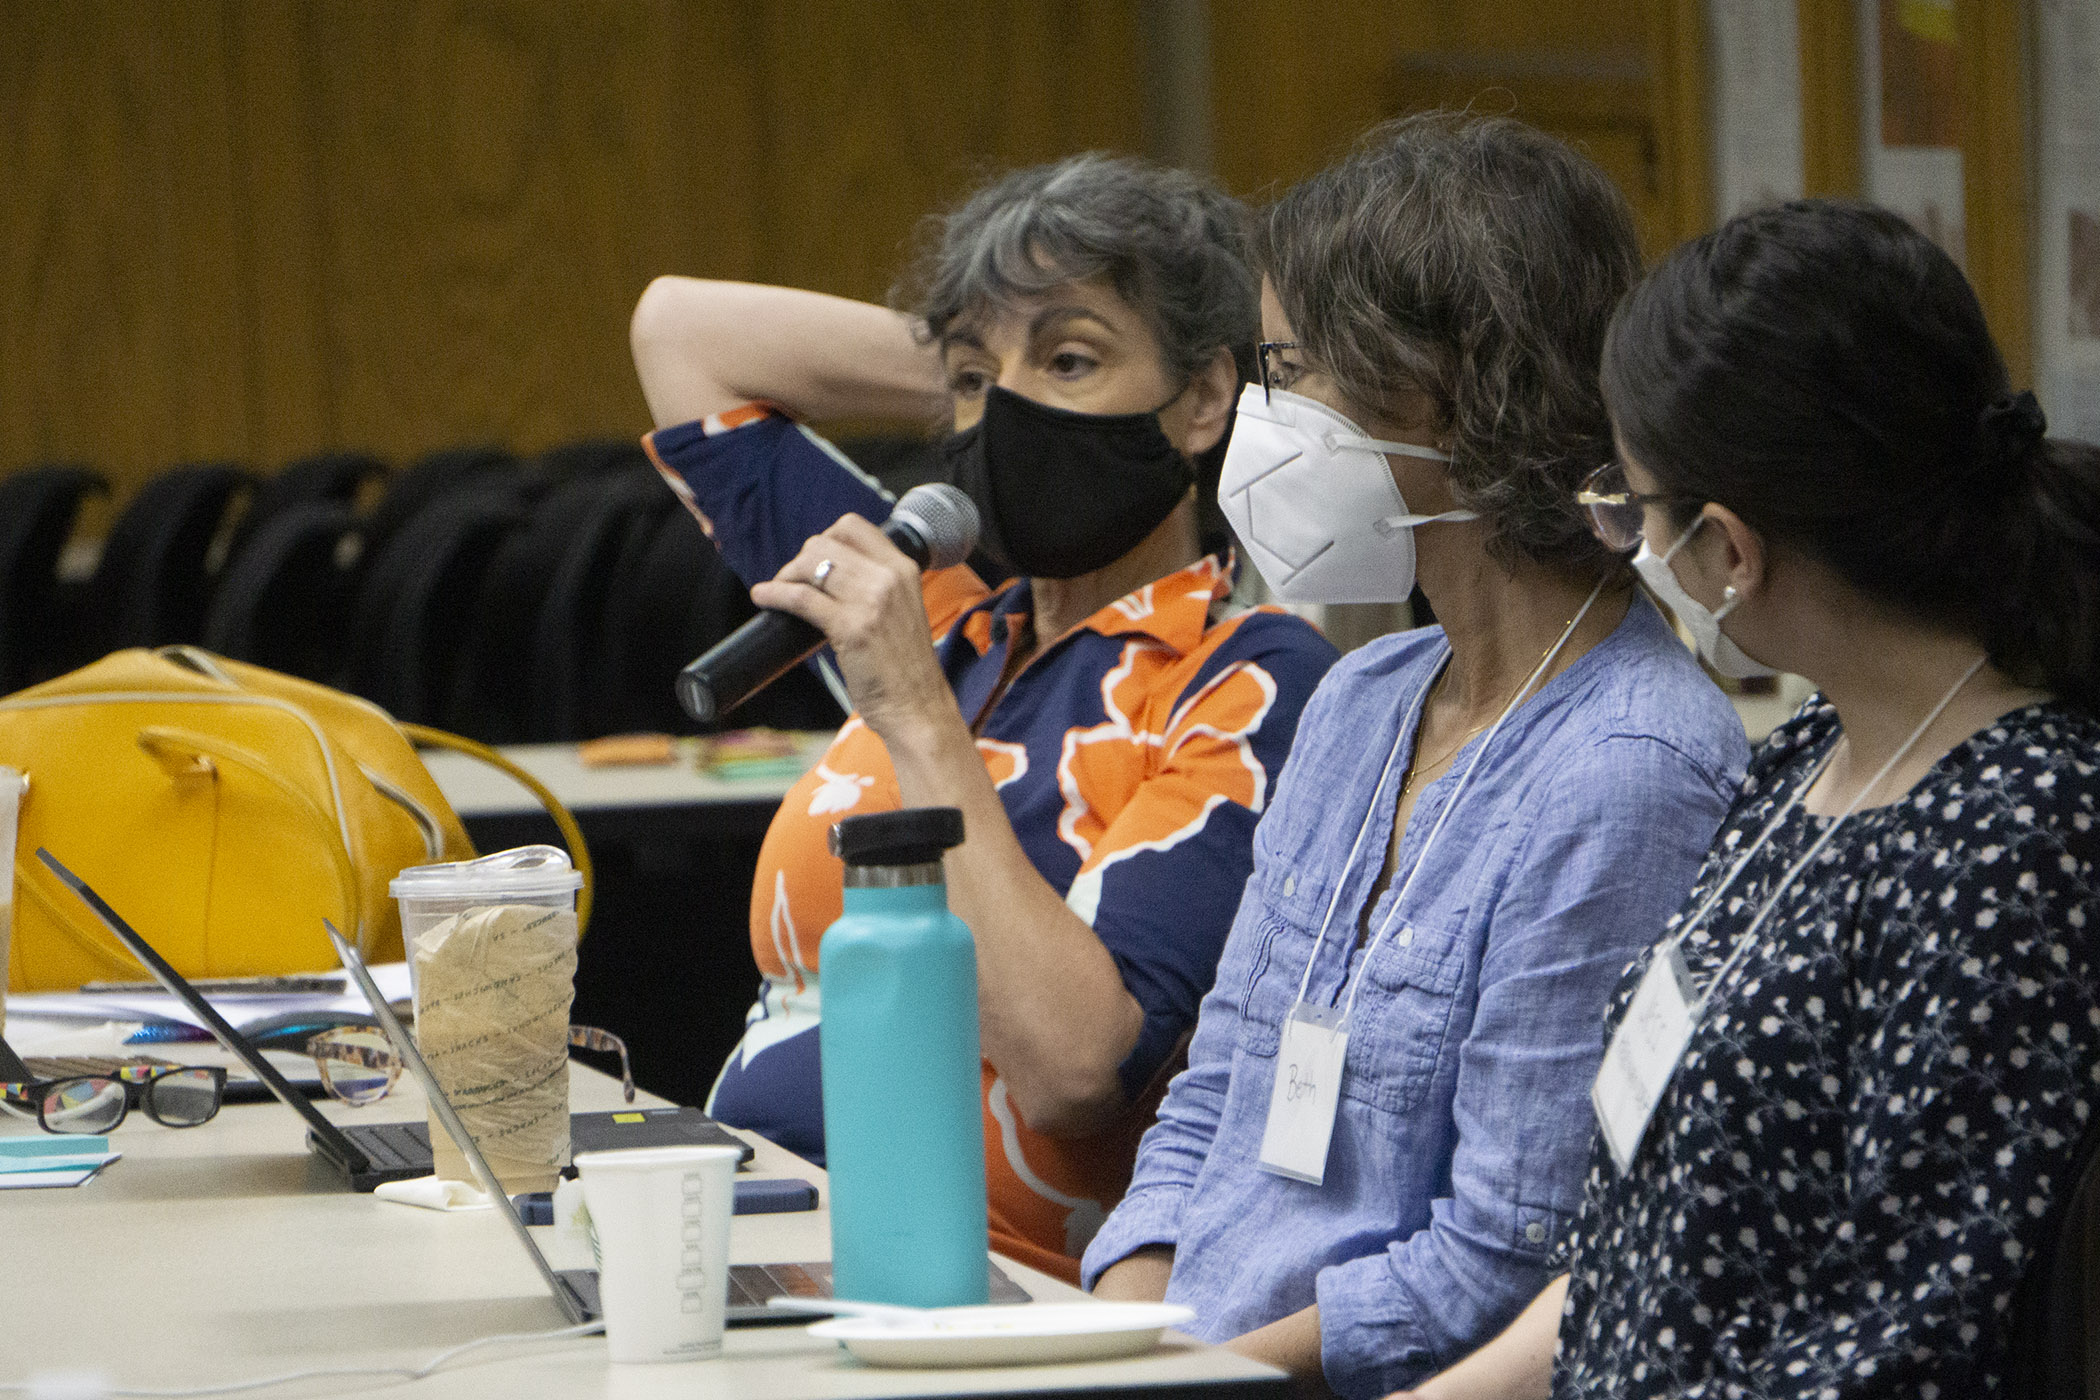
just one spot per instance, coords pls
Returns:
(1469, 890)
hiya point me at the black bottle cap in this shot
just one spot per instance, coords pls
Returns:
(913, 836)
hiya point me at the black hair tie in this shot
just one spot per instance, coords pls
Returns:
(2016, 423)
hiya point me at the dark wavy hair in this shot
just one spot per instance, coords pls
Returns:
(1824, 370)
(1477, 261)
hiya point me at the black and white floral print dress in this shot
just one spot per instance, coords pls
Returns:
(1883, 1100)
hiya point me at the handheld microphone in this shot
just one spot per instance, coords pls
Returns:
(935, 525)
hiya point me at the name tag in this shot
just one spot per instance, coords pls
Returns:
(1303, 1096)
(1643, 1054)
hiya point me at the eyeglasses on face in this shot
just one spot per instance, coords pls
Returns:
(1276, 372)
(175, 1096)
(1615, 509)
(359, 1066)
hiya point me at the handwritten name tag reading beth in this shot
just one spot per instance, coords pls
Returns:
(1303, 1096)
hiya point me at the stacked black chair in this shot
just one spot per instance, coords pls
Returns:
(38, 509)
(431, 478)
(670, 598)
(284, 598)
(565, 543)
(415, 601)
(332, 478)
(155, 578)
(571, 645)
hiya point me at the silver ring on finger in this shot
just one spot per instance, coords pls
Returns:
(821, 573)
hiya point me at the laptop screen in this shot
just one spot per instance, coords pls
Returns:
(405, 1046)
(237, 1044)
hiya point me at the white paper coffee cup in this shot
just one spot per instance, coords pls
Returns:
(661, 1218)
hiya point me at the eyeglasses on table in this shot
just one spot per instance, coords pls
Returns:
(175, 1096)
(359, 1066)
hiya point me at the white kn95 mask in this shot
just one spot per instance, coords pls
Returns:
(1315, 503)
(1704, 623)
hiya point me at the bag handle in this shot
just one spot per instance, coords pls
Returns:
(564, 821)
(202, 751)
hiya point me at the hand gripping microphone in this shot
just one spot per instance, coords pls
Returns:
(936, 525)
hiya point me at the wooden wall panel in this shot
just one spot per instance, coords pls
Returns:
(259, 228)
(121, 298)
(1623, 81)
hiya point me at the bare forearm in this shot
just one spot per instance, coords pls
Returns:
(1517, 1365)
(1290, 1343)
(703, 346)
(1057, 1019)
(1138, 1277)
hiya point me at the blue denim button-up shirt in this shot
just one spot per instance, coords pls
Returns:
(1464, 1122)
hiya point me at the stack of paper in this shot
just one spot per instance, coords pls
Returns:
(243, 1010)
(52, 1159)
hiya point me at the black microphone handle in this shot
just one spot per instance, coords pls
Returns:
(746, 662)
(766, 648)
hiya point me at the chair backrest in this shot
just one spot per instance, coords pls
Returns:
(38, 508)
(492, 677)
(155, 577)
(429, 478)
(670, 599)
(570, 645)
(332, 478)
(2056, 1313)
(415, 602)
(283, 600)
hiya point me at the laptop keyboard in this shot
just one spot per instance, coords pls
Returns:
(751, 1284)
(392, 1145)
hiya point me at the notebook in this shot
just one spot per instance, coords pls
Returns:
(369, 1153)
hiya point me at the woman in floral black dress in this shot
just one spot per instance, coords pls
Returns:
(1892, 957)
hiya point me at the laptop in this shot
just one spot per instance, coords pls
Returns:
(369, 1153)
(576, 1290)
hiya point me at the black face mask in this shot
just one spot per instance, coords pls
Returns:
(1063, 493)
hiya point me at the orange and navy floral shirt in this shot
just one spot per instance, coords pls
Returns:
(1134, 756)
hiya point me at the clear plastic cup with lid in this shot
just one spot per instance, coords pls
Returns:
(430, 894)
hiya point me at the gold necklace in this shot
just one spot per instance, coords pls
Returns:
(1414, 768)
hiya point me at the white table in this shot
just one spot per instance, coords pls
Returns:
(477, 790)
(228, 1252)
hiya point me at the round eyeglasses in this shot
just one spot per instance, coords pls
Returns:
(1615, 509)
(359, 1066)
(180, 1096)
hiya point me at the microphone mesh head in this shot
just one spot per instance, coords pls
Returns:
(945, 518)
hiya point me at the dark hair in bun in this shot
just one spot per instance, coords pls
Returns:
(1824, 370)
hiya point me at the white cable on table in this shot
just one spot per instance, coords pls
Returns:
(84, 1386)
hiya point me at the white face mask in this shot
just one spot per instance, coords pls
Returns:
(1702, 622)
(1314, 501)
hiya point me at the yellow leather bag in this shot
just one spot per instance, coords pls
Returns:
(224, 810)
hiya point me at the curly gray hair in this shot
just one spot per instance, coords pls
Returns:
(1171, 244)
(1477, 261)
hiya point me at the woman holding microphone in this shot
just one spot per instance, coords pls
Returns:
(1110, 734)
(1847, 1095)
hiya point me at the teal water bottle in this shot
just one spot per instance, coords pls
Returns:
(903, 1112)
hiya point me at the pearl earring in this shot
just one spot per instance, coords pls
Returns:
(1728, 594)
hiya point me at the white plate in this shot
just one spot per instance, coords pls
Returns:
(1017, 1335)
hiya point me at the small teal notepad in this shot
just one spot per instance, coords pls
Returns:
(27, 1154)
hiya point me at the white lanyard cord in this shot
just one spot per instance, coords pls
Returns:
(1523, 691)
(1342, 881)
(1748, 936)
